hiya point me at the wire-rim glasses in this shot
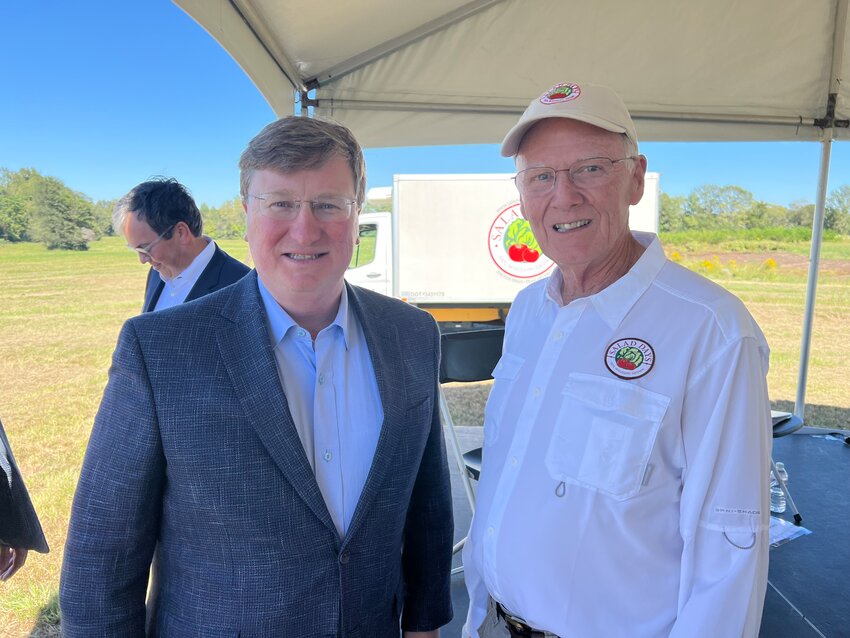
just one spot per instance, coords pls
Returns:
(586, 173)
(284, 207)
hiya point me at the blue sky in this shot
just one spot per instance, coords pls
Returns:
(104, 94)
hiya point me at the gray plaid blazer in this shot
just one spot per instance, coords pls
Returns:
(194, 453)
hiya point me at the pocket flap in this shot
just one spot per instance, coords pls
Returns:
(620, 396)
(604, 434)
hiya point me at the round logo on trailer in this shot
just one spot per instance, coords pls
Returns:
(563, 92)
(629, 358)
(513, 247)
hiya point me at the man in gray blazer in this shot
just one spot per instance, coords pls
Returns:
(278, 441)
(163, 225)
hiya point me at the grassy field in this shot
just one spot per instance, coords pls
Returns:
(60, 313)
(771, 279)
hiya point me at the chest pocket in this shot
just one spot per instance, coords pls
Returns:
(504, 376)
(604, 434)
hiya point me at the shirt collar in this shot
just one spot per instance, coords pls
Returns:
(279, 322)
(191, 273)
(615, 301)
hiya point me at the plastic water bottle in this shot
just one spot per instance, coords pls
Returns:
(777, 496)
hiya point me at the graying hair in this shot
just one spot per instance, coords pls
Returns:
(296, 143)
(630, 147)
(119, 214)
(160, 202)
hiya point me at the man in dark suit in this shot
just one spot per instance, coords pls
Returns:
(279, 441)
(20, 530)
(163, 225)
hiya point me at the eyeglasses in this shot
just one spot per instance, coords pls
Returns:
(586, 173)
(325, 209)
(146, 250)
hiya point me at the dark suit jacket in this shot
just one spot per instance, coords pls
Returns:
(19, 526)
(222, 271)
(194, 448)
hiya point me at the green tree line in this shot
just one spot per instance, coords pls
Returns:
(40, 208)
(35, 207)
(732, 208)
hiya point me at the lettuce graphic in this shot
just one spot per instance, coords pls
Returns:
(519, 232)
(629, 358)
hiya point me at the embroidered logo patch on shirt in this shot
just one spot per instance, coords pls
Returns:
(629, 358)
(563, 92)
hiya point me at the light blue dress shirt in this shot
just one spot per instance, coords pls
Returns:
(333, 398)
(176, 290)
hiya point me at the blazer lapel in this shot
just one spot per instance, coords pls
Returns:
(208, 280)
(249, 359)
(153, 289)
(384, 347)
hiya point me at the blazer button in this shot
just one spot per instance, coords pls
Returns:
(343, 558)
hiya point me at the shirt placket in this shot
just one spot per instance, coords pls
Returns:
(326, 431)
(542, 377)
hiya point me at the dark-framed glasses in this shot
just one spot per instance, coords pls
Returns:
(146, 249)
(284, 207)
(586, 173)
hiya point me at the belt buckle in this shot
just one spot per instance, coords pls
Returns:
(516, 623)
(519, 626)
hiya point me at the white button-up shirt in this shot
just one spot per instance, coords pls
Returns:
(333, 398)
(627, 445)
(176, 290)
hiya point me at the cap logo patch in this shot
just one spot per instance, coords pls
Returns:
(629, 358)
(563, 92)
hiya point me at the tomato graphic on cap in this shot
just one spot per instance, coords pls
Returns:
(563, 92)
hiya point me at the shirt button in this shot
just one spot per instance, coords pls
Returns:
(536, 392)
(328, 456)
(559, 335)
(514, 461)
(321, 378)
(302, 333)
(490, 531)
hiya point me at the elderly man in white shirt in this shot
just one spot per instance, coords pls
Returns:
(627, 439)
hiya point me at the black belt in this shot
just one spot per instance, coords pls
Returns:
(516, 626)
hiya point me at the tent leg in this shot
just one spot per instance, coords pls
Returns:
(814, 264)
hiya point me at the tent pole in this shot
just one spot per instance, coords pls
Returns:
(814, 263)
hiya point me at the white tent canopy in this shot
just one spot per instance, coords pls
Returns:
(406, 72)
(410, 72)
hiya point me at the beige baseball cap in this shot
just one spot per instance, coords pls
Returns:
(591, 103)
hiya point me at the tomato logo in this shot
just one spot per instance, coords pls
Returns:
(629, 358)
(520, 242)
(513, 247)
(563, 92)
